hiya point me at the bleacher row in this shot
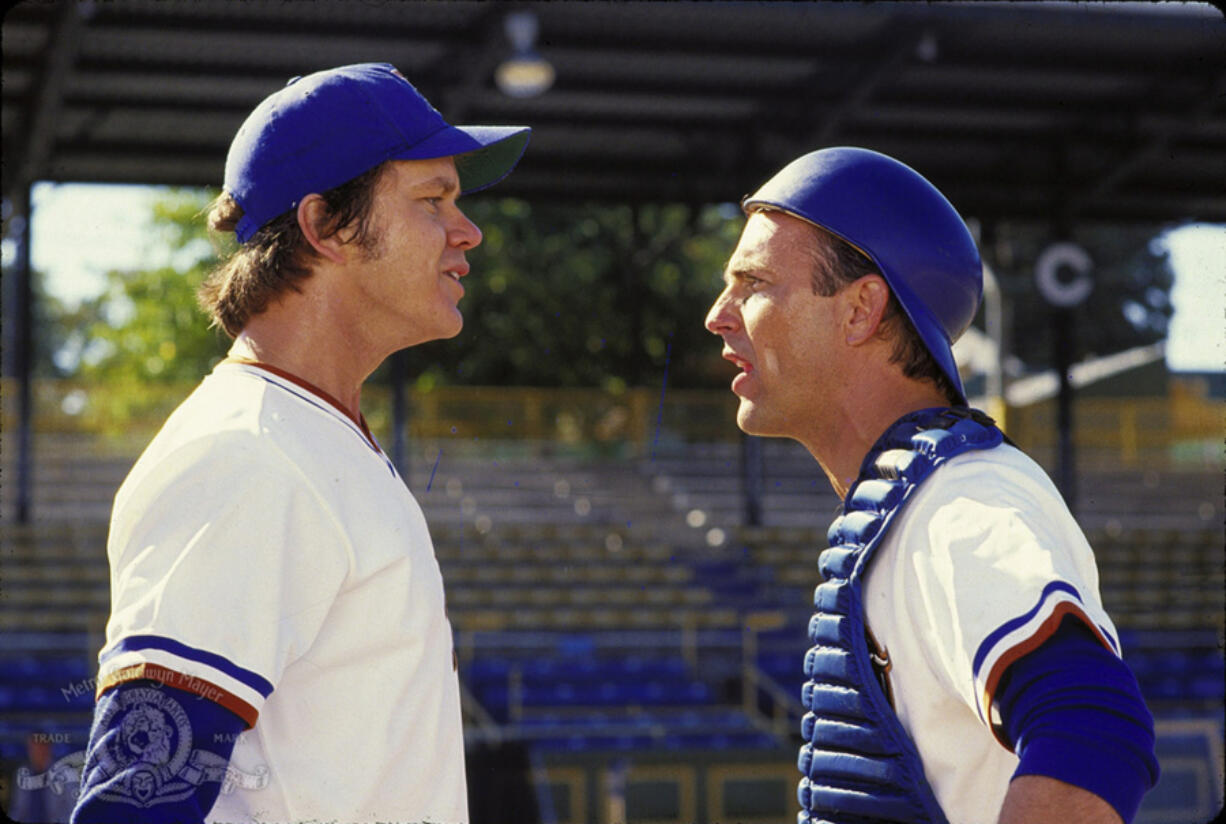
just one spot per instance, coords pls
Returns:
(526, 619)
(535, 579)
(795, 492)
(692, 728)
(1148, 579)
(580, 597)
(609, 626)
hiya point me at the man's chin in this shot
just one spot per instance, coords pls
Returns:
(753, 420)
(452, 329)
(438, 332)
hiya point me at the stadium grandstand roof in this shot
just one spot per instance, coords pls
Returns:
(1063, 111)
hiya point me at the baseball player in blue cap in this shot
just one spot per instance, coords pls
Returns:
(963, 669)
(278, 648)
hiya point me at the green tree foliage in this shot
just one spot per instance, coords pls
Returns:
(573, 295)
(145, 326)
(560, 295)
(55, 326)
(597, 296)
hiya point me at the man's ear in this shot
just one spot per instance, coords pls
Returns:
(866, 299)
(313, 218)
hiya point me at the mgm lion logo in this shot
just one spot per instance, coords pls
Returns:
(146, 735)
(152, 753)
(148, 752)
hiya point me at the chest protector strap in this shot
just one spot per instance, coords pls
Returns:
(859, 764)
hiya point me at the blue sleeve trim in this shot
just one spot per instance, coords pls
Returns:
(212, 659)
(156, 755)
(1007, 627)
(1073, 711)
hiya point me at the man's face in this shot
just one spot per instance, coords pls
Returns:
(776, 329)
(409, 286)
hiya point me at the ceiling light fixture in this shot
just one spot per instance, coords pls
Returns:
(525, 73)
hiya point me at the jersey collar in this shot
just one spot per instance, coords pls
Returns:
(359, 420)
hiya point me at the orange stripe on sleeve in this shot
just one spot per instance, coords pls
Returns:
(1044, 631)
(187, 683)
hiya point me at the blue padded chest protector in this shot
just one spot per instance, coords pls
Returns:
(859, 764)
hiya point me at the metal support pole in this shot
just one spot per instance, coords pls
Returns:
(994, 325)
(752, 478)
(22, 341)
(26, 166)
(1064, 272)
(399, 369)
(1063, 320)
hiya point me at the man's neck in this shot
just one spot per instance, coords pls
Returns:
(311, 349)
(860, 420)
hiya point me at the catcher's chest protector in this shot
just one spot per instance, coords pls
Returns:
(859, 764)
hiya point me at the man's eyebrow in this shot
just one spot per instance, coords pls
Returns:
(740, 272)
(447, 184)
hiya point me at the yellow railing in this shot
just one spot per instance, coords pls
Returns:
(566, 416)
(1131, 432)
(1127, 428)
(1185, 426)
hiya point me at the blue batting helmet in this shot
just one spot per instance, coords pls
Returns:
(889, 212)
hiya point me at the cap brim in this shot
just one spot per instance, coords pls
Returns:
(484, 154)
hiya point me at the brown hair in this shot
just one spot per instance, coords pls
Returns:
(836, 263)
(277, 257)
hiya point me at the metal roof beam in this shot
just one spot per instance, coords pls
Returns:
(479, 55)
(875, 74)
(64, 39)
(1158, 143)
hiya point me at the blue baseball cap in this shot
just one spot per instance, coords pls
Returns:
(329, 127)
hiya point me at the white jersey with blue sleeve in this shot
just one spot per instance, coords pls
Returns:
(980, 568)
(266, 556)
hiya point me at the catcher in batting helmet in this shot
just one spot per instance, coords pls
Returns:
(891, 214)
(957, 587)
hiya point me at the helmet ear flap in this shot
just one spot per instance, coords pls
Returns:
(899, 221)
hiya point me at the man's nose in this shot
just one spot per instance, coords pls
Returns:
(464, 233)
(722, 317)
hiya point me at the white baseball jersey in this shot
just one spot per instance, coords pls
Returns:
(980, 568)
(265, 554)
